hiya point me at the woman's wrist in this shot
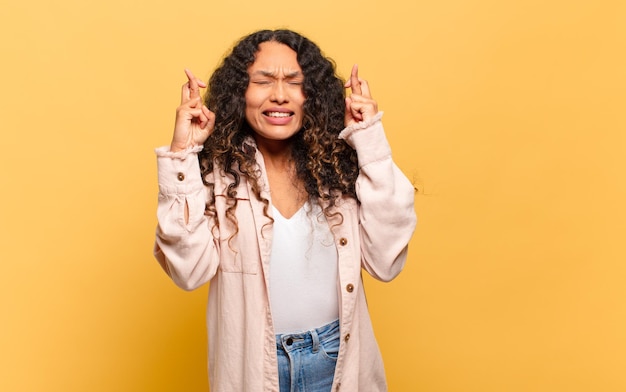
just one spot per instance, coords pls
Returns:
(178, 154)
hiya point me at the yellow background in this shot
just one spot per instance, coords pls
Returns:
(509, 115)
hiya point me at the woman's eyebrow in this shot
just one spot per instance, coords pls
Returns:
(273, 74)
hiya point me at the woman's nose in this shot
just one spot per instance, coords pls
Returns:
(279, 93)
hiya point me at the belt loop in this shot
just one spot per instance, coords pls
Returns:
(316, 340)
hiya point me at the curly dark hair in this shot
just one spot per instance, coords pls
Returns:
(325, 164)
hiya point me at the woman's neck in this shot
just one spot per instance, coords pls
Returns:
(277, 154)
(287, 191)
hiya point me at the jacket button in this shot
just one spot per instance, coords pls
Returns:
(181, 176)
(347, 337)
(343, 242)
(350, 288)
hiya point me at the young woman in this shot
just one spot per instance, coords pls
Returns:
(278, 190)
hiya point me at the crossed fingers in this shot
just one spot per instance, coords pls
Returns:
(359, 86)
(191, 105)
(359, 105)
(191, 89)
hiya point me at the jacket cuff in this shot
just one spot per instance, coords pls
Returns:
(368, 139)
(178, 172)
(347, 131)
(165, 152)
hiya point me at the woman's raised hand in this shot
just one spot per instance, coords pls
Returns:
(359, 105)
(194, 121)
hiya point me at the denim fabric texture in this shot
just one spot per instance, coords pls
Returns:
(306, 360)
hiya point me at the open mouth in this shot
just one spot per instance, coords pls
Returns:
(278, 114)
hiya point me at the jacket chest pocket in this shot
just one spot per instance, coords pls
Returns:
(238, 260)
(239, 247)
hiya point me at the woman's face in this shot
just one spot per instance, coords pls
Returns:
(274, 97)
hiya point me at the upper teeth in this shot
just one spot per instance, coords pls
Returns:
(278, 114)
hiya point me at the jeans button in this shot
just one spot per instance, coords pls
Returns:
(289, 341)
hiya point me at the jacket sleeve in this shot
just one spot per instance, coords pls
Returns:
(187, 251)
(386, 214)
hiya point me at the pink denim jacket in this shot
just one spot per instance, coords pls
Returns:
(374, 235)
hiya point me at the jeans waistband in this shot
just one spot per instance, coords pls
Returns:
(312, 338)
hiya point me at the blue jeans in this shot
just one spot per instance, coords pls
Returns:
(306, 360)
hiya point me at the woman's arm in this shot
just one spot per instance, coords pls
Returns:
(386, 214)
(184, 245)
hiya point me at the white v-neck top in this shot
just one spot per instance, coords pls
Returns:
(303, 271)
